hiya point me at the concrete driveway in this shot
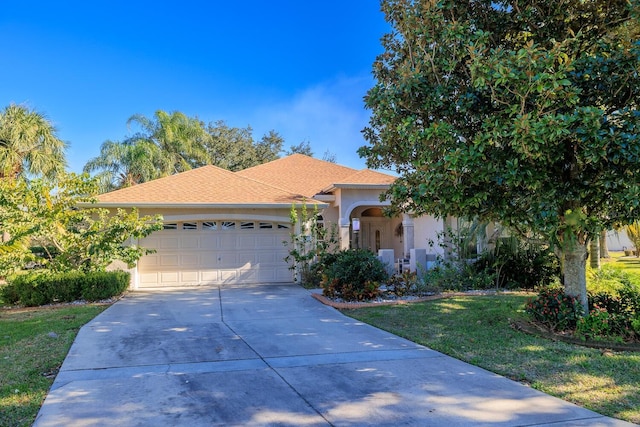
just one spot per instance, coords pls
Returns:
(272, 355)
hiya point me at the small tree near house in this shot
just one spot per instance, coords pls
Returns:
(310, 241)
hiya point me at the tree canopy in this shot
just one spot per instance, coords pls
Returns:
(521, 112)
(39, 213)
(29, 145)
(169, 143)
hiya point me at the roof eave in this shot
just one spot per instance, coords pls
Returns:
(334, 187)
(201, 205)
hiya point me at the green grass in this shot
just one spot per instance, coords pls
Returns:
(477, 330)
(30, 358)
(630, 264)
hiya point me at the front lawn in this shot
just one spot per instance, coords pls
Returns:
(476, 329)
(33, 345)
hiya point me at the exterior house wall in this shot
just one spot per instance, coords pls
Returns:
(426, 228)
(618, 241)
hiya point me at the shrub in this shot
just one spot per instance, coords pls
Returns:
(451, 275)
(402, 284)
(519, 265)
(354, 275)
(596, 325)
(555, 309)
(45, 288)
(617, 292)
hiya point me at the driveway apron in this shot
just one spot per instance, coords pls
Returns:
(273, 355)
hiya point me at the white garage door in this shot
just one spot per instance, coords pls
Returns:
(215, 252)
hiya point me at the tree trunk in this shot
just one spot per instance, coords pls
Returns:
(594, 253)
(604, 249)
(575, 274)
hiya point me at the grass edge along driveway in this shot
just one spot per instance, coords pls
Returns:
(33, 345)
(476, 329)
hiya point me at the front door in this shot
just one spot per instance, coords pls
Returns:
(376, 234)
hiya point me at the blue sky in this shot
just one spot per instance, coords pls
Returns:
(298, 67)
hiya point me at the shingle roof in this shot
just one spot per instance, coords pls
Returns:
(205, 185)
(288, 180)
(368, 176)
(308, 176)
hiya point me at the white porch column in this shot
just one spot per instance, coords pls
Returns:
(345, 235)
(407, 231)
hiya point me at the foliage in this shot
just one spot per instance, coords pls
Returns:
(526, 115)
(519, 265)
(169, 143)
(616, 293)
(633, 232)
(555, 309)
(36, 289)
(354, 275)
(29, 145)
(455, 270)
(404, 283)
(611, 279)
(85, 237)
(596, 325)
(310, 248)
(303, 147)
(452, 275)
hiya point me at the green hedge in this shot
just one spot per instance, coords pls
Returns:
(42, 288)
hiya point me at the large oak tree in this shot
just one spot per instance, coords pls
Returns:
(523, 112)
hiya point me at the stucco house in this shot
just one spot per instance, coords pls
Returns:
(223, 227)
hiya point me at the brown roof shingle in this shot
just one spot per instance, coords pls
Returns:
(308, 176)
(205, 185)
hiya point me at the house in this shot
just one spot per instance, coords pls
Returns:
(223, 227)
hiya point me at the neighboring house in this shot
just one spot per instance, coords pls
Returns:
(223, 227)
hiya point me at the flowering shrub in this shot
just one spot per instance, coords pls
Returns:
(555, 309)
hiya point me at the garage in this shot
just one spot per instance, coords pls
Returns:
(215, 252)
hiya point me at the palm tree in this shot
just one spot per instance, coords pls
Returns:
(123, 164)
(180, 138)
(29, 145)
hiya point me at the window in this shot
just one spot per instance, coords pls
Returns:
(209, 225)
(227, 225)
(170, 226)
(247, 225)
(283, 226)
(189, 226)
(266, 225)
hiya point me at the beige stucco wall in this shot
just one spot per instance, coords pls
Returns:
(425, 228)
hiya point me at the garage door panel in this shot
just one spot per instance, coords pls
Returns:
(209, 242)
(210, 276)
(169, 277)
(191, 260)
(169, 243)
(227, 240)
(189, 277)
(172, 260)
(227, 276)
(148, 279)
(246, 242)
(190, 242)
(187, 257)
